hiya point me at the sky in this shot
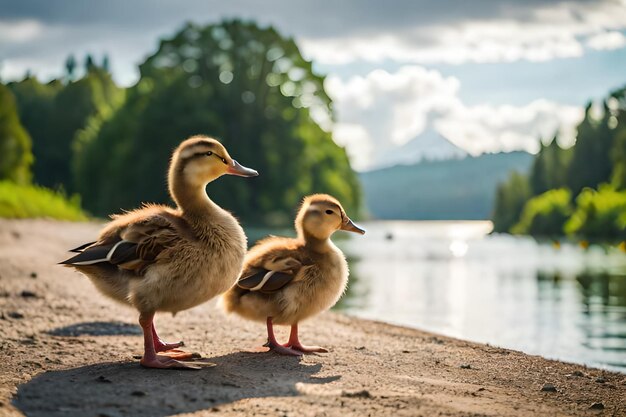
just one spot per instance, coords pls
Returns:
(487, 75)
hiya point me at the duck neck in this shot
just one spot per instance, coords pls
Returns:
(192, 199)
(316, 244)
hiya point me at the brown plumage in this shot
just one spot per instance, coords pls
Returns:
(158, 258)
(285, 281)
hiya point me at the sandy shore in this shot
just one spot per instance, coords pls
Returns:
(68, 351)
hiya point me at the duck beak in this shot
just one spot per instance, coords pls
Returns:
(349, 226)
(237, 169)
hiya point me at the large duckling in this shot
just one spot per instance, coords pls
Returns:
(285, 281)
(162, 259)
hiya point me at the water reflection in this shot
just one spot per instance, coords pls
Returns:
(453, 278)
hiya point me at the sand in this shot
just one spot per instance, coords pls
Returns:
(68, 351)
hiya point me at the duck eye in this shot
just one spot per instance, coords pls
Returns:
(224, 160)
(329, 212)
(209, 153)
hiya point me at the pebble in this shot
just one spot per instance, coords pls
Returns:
(548, 388)
(28, 294)
(465, 366)
(597, 406)
(33, 275)
(138, 394)
(104, 379)
(15, 315)
(600, 380)
(357, 394)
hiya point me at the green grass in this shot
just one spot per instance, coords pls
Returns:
(28, 201)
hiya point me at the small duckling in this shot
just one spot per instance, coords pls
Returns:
(158, 258)
(285, 281)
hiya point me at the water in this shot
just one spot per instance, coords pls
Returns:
(453, 278)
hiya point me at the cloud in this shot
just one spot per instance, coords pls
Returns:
(487, 128)
(19, 31)
(35, 33)
(390, 109)
(607, 41)
(380, 112)
(549, 31)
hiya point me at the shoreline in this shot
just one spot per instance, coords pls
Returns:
(68, 351)
(599, 366)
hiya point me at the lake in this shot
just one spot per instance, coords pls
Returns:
(454, 278)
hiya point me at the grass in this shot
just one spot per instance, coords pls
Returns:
(28, 201)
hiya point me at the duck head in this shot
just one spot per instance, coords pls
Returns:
(321, 215)
(199, 160)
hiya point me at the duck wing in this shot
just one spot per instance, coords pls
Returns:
(133, 246)
(273, 274)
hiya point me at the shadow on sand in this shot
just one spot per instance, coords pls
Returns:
(126, 389)
(97, 328)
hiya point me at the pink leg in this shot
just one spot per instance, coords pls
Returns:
(274, 345)
(294, 342)
(150, 359)
(160, 345)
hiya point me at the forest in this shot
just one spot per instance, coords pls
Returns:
(90, 144)
(578, 191)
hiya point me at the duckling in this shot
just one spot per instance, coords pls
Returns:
(158, 258)
(285, 280)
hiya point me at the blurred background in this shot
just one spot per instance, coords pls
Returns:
(482, 144)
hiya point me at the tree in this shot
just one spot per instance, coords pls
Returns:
(599, 215)
(53, 113)
(106, 63)
(90, 65)
(15, 144)
(70, 66)
(247, 86)
(510, 199)
(618, 153)
(591, 162)
(549, 168)
(546, 214)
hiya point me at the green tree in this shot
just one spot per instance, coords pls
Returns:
(247, 86)
(549, 168)
(54, 113)
(510, 199)
(618, 153)
(70, 67)
(545, 214)
(106, 64)
(35, 102)
(15, 144)
(599, 214)
(591, 162)
(90, 64)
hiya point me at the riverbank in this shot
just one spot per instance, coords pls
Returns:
(68, 351)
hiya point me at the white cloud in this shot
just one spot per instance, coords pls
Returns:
(607, 41)
(390, 109)
(549, 32)
(487, 128)
(20, 30)
(381, 112)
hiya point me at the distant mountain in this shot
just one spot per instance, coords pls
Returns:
(453, 189)
(429, 145)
